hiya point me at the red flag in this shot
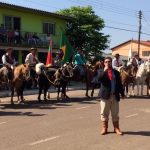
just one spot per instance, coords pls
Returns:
(49, 54)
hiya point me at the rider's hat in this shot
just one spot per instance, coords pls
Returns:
(8, 49)
(33, 49)
(117, 55)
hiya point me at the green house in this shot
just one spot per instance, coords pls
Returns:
(22, 28)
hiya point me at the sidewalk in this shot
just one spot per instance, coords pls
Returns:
(71, 87)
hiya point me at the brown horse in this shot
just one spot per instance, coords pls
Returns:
(18, 82)
(4, 80)
(90, 77)
(128, 75)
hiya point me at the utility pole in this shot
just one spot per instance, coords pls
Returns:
(139, 33)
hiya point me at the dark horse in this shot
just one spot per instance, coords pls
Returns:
(62, 77)
(91, 76)
(45, 78)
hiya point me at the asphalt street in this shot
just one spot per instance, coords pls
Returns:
(72, 124)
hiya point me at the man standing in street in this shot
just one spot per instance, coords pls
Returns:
(110, 91)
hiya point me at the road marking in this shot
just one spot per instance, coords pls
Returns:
(131, 115)
(44, 140)
(82, 107)
(2, 122)
(145, 110)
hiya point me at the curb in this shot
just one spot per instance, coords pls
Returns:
(35, 91)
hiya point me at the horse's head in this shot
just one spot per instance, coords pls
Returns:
(39, 68)
(99, 65)
(67, 70)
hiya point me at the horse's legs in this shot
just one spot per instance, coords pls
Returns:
(126, 86)
(133, 85)
(12, 93)
(92, 92)
(142, 84)
(18, 97)
(138, 88)
(40, 92)
(45, 92)
(21, 95)
(58, 91)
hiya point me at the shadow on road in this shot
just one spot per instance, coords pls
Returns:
(9, 110)
(138, 97)
(142, 133)
(18, 113)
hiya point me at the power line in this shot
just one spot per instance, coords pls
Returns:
(128, 30)
(107, 8)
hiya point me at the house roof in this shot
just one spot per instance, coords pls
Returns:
(146, 43)
(36, 11)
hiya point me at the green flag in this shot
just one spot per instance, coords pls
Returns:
(68, 51)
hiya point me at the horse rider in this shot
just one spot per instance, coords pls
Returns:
(9, 62)
(57, 61)
(135, 60)
(32, 60)
(117, 62)
(80, 62)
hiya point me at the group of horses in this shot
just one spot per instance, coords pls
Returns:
(59, 78)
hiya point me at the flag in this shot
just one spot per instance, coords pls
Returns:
(49, 54)
(130, 52)
(67, 49)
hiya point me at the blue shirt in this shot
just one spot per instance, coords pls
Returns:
(113, 83)
(79, 60)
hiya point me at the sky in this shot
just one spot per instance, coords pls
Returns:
(120, 16)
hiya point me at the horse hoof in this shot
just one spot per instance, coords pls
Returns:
(39, 101)
(12, 103)
(67, 97)
(45, 99)
(87, 96)
(58, 98)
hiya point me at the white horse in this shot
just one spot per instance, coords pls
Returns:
(141, 75)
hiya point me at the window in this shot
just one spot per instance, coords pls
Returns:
(49, 28)
(8, 22)
(12, 23)
(145, 53)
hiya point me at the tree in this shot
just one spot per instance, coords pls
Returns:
(84, 29)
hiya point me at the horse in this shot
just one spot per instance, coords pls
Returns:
(142, 76)
(62, 76)
(90, 77)
(4, 80)
(20, 75)
(128, 74)
(44, 79)
(98, 69)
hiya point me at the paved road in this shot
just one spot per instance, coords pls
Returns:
(74, 125)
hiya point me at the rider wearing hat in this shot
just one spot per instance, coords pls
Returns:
(32, 60)
(117, 62)
(9, 62)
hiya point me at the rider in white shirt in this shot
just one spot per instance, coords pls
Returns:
(117, 62)
(9, 62)
(32, 60)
